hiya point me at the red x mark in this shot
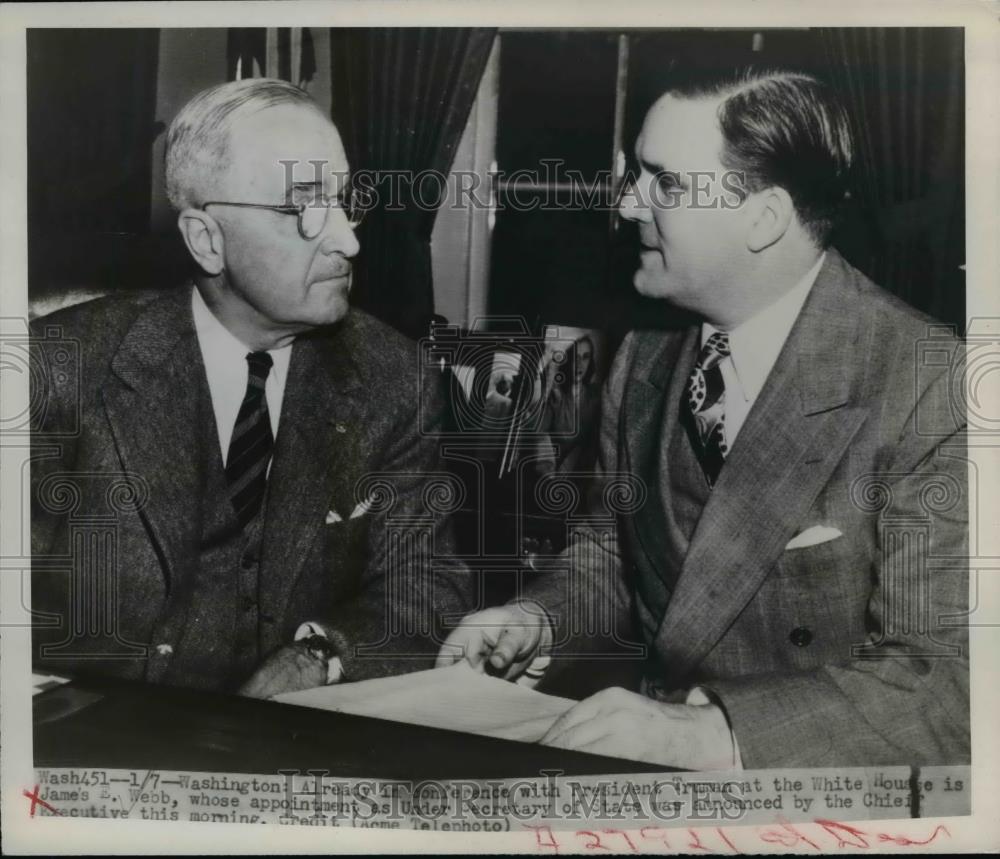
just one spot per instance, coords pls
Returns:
(36, 800)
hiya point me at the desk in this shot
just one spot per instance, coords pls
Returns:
(115, 725)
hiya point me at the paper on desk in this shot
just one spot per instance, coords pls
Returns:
(456, 698)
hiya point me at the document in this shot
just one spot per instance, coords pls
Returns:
(457, 698)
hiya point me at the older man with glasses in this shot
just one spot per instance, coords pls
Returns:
(252, 552)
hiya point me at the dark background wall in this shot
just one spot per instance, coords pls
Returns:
(91, 126)
(99, 100)
(905, 226)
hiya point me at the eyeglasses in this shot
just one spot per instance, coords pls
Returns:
(312, 213)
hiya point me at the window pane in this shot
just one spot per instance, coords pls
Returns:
(557, 100)
(550, 266)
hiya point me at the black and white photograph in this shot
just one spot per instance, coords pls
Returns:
(571, 430)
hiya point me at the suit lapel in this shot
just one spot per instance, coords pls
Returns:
(318, 437)
(789, 445)
(650, 420)
(152, 413)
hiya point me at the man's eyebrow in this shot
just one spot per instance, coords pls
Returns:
(656, 171)
(301, 186)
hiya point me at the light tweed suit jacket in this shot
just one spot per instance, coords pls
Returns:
(851, 651)
(116, 439)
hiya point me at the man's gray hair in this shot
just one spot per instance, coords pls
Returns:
(198, 138)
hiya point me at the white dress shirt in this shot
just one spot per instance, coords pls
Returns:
(753, 348)
(225, 359)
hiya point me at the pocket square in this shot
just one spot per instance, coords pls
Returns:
(333, 517)
(813, 536)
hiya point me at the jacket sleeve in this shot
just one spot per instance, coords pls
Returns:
(412, 586)
(584, 590)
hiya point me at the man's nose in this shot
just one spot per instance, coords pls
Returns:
(338, 235)
(632, 206)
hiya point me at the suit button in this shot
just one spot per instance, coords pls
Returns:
(249, 604)
(800, 636)
(248, 562)
(267, 618)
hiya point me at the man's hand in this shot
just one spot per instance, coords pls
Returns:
(506, 638)
(623, 724)
(286, 670)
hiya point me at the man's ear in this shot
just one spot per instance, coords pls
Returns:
(204, 239)
(771, 214)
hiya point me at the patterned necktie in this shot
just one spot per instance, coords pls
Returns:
(250, 446)
(706, 401)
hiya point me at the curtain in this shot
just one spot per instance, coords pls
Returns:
(904, 90)
(91, 100)
(401, 98)
(91, 103)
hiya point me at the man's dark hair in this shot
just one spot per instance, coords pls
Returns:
(786, 129)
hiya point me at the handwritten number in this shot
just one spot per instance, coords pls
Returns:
(661, 835)
(729, 843)
(623, 834)
(595, 844)
(696, 843)
(543, 832)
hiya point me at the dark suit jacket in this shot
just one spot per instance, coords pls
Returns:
(115, 460)
(856, 429)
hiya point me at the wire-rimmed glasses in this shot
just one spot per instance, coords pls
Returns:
(312, 213)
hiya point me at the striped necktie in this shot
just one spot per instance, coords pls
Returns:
(251, 443)
(706, 401)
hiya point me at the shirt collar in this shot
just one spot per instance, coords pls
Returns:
(220, 348)
(754, 344)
